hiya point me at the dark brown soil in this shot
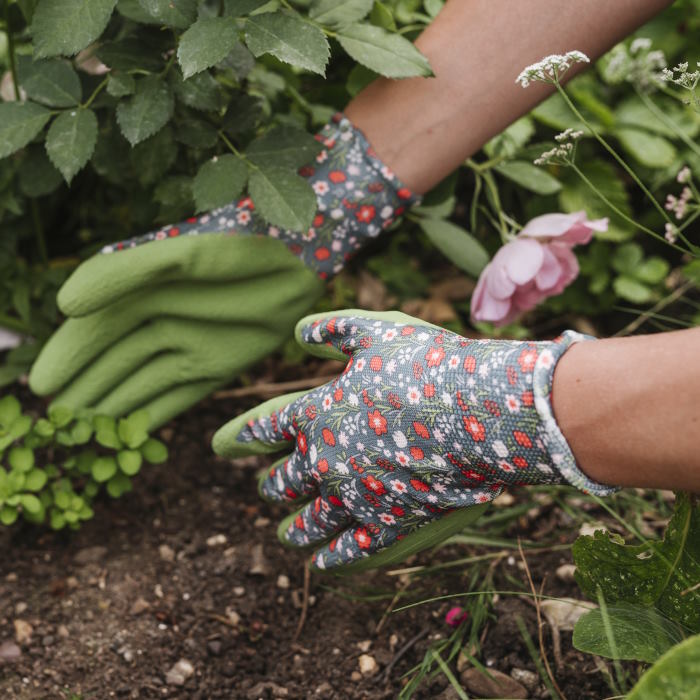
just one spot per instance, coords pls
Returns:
(115, 605)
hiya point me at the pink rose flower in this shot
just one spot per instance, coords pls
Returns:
(538, 264)
(456, 616)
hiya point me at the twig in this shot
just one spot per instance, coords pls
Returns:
(401, 652)
(223, 620)
(274, 388)
(304, 602)
(387, 612)
(540, 633)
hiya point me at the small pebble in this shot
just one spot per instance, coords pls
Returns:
(259, 566)
(238, 591)
(179, 673)
(20, 608)
(166, 553)
(283, 581)
(138, 606)
(232, 615)
(565, 572)
(23, 631)
(588, 529)
(528, 678)
(261, 522)
(368, 665)
(499, 685)
(9, 652)
(11, 577)
(364, 645)
(216, 540)
(90, 555)
(72, 582)
(63, 632)
(158, 590)
(214, 647)
(356, 676)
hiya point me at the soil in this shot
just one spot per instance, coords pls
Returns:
(187, 567)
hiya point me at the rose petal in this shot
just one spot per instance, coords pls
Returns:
(498, 283)
(522, 259)
(552, 225)
(550, 272)
(483, 306)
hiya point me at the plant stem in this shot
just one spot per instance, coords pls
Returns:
(95, 93)
(14, 324)
(11, 52)
(612, 152)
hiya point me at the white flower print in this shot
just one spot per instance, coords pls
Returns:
(399, 439)
(413, 395)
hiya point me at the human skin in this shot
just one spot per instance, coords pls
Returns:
(629, 407)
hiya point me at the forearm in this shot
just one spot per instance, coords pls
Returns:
(423, 128)
(630, 409)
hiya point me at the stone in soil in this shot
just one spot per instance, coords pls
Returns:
(179, 673)
(528, 678)
(23, 631)
(499, 685)
(368, 665)
(90, 555)
(9, 652)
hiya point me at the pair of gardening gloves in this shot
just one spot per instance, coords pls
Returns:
(404, 448)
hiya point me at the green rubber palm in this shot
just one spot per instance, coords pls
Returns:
(160, 326)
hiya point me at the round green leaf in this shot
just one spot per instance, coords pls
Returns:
(129, 461)
(37, 176)
(154, 451)
(30, 503)
(81, 432)
(62, 499)
(21, 459)
(104, 468)
(456, 244)
(56, 520)
(10, 410)
(60, 415)
(36, 480)
(8, 515)
(630, 289)
(118, 485)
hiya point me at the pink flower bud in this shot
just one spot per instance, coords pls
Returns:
(456, 616)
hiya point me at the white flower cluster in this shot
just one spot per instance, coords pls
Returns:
(688, 80)
(551, 68)
(564, 152)
(636, 64)
(679, 205)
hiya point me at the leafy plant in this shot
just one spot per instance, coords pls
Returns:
(52, 468)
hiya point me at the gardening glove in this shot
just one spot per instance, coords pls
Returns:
(401, 449)
(160, 321)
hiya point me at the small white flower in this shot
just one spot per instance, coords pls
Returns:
(353, 400)
(327, 403)
(413, 395)
(341, 468)
(403, 459)
(337, 214)
(313, 454)
(551, 68)
(389, 334)
(499, 448)
(398, 486)
(320, 187)
(399, 439)
(512, 403)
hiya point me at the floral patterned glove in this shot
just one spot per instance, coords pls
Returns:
(420, 423)
(170, 316)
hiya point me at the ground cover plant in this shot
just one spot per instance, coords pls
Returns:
(153, 111)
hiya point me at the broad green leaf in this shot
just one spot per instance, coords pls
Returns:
(120, 85)
(106, 432)
(10, 410)
(81, 432)
(358, 79)
(8, 515)
(30, 503)
(196, 133)
(104, 468)
(529, 176)
(337, 13)
(174, 195)
(200, 92)
(632, 290)
(285, 147)
(647, 149)
(44, 428)
(153, 157)
(56, 520)
(653, 270)
(433, 7)
(53, 82)
(238, 8)
(458, 245)
(659, 573)
(154, 451)
(130, 53)
(382, 16)
(133, 430)
(627, 258)
(675, 676)
(555, 113)
(129, 461)
(60, 416)
(637, 633)
(118, 485)
(242, 114)
(71, 141)
(632, 112)
(19, 427)
(62, 499)
(206, 43)
(36, 480)
(691, 271)
(131, 9)
(37, 176)
(64, 27)
(219, 181)
(174, 13)
(21, 459)
(148, 111)
(288, 38)
(511, 139)
(19, 124)
(388, 54)
(283, 198)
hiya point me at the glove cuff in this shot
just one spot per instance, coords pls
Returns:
(559, 450)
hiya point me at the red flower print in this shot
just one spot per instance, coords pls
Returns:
(362, 538)
(372, 499)
(522, 439)
(492, 407)
(527, 398)
(417, 453)
(398, 511)
(338, 394)
(299, 523)
(377, 422)
(366, 342)
(310, 412)
(337, 176)
(520, 462)
(408, 330)
(318, 220)
(322, 253)
(527, 359)
(472, 475)
(374, 485)
(375, 187)
(375, 364)
(373, 528)
(394, 400)
(301, 443)
(246, 202)
(335, 501)
(419, 485)
(174, 232)
(474, 428)
(512, 375)
(470, 364)
(366, 398)
(332, 544)
(365, 213)
(429, 391)
(404, 193)
(421, 430)
(330, 325)
(435, 356)
(291, 495)
(306, 171)
(328, 437)
(323, 465)
(385, 464)
(417, 370)
(295, 248)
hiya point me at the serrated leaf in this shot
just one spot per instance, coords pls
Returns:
(201, 92)
(19, 124)
(631, 633)
(529, 176)
(52, 82)
(283, 198)
(206, 43)
(458, 245)
(148, 111)
(130, 53)
(120, 85)
(37, 176)
(627, 257)
(197, 133)
(382, 16)
(174, 13)
(219, 181)
(238, 8)
(510, 140)
(103, 469)
(285, 147)
(627, 287)
(336, 13)
(64, 27)
(388, 54)
(660, 573)
(129, 461)
(153, 157)
(647, 149)
(288, 38)
(71, 141)
(154, 451)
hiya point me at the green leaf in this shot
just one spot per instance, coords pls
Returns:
(130, 54)
(104, 468)
(634, 113)
(148, 111)
(71, 141)
(57, 521)
(388, 54)
(675, 676)
(283, 198)
(60, 416)
(197, 133)
(30, 503)
(207, 42)
(691, 272)
(509, 141)
(237, 8)
(8, 515)
(62, 499)
(19, 428)
(52, 82)
(637, 633)
(64, 27)
(653, 270)
(201, 92)
(118, 485)
(154, 451)
(627, 258)
(288, 38)
(21, 459)
(10, 410)
(133, 430)
(36, 480)
(129, 461)
(44, 428)
(335, 13)
(81, 432)
(657, 574)
(285, 147)
(37, 176)
(174, 13)
(647, 149)
(120, 85)
(106, 432)
(382, 16)
(529, 176)
(459, 246)
(630, 289)
(358, 79)
(19, 124)
(219, 181)
(153, 157)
